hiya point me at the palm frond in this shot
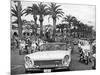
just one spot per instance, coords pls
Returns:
(23, 12)
(16, 8)
(27, 12)
(14, 11)
(15, 22)
(33, 10)
(55, 11)
(42, 9)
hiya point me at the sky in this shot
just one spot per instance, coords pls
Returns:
(84, 13)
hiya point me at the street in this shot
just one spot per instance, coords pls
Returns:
(17, 63)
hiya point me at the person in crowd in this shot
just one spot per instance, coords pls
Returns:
(93, 55)
(33, 46)
(40, 43)
(94, 61)
(15, 37)
(14, 44)
(22, 46)
(28, 44)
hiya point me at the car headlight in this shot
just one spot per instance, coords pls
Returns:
(28, 61)
(65, 60)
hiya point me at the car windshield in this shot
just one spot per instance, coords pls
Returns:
(53, 46)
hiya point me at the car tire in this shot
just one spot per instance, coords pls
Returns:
(68, 69)
(26, 71)
(93, 67)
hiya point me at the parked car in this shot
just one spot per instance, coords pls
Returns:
(54, 56)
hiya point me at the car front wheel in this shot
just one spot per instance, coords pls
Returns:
(26, 71)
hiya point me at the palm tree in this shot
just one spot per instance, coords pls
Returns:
(18, 12)
(42, 11)
(76, 25)
(69, 19)
(33, 11)
(55, 12)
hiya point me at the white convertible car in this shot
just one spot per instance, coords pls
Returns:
(53, 56)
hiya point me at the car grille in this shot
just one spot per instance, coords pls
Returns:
(47, 63)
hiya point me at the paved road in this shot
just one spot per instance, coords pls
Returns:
(17, 66)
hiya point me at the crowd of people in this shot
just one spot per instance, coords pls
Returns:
(87, 52)
(27, 44)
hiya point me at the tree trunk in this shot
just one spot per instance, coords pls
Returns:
(41, 25)
(69, 28)
(35, 20)
(54, 26)
(19, 20)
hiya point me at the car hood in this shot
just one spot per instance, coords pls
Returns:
(49, 55)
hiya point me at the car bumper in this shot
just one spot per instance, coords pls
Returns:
(42, 69)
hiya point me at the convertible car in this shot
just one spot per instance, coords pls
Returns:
(53, 56)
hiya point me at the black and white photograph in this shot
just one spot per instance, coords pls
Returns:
(51, 37)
